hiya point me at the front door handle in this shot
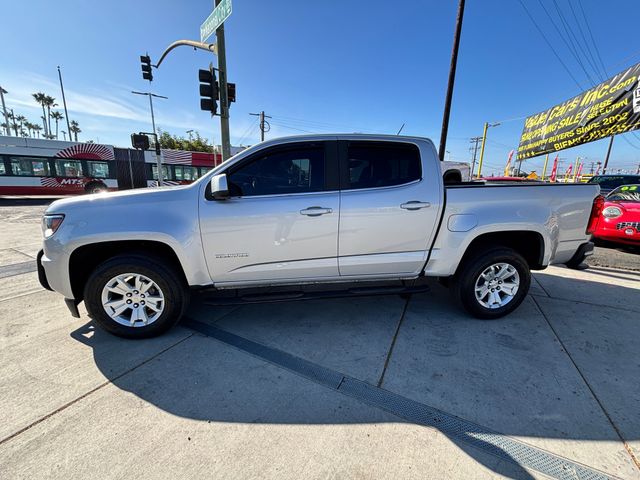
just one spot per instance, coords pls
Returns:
(315, 211)
(415, 205)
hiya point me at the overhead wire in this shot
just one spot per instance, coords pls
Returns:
(550, 45)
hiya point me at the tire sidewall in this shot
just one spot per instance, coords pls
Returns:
(175, 298)
(466, 281)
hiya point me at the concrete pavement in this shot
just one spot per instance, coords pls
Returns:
(560, 374)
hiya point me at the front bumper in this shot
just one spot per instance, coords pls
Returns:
(72, 303)
(42, 275)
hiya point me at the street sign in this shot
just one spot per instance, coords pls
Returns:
(219, 15)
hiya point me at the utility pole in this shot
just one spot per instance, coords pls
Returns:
(606, 159)
(64, 100)
(263, 124)
(544, 169)
(4, 109)
(224, 101)
(452, 78)
(153, 125)
(475, 141)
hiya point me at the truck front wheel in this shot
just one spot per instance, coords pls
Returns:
(134, 296)
(493, 283)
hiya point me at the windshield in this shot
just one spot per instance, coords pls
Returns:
(626, 193)
(613, 181)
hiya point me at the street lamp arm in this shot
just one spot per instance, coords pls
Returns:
(211, 47)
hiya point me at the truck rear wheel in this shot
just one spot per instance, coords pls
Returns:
(492, 284)
(134, 296)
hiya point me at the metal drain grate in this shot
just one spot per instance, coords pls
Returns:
(497, 444)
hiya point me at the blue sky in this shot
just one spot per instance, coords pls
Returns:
(314, 66)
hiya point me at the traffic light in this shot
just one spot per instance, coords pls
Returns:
(145, 61)
(231, 92)
(140, 141)
(208, 90)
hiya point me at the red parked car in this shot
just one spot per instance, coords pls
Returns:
(620, 218)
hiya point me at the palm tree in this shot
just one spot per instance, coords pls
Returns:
(75, 129)
(50, 102)
(41, 98)
(37, 128)
(20, 119)
(29, 126)
(57, 116)
(13, 123)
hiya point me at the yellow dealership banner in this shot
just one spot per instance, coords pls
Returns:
(607, 109)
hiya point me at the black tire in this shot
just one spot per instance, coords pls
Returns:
(464, 282)
(172, 285)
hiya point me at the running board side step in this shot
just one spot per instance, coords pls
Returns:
(289, 296)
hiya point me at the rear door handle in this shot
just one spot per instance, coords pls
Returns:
(315, 211)
(415, 205)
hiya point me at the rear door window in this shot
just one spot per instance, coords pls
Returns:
(377, 164)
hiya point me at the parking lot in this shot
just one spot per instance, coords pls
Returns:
(367, 387)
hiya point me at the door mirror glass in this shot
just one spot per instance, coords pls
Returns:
(219, 187)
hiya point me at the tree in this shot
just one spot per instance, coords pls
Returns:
(29, 126)
(37, 128)
(50, 102)
(41, 98)
(20, 119)
(13, 123)
(75, 129)
(173, 142)
(57, 116)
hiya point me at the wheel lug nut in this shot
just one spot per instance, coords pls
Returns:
(129, 302)
(135, 305)
(135, 291)
(498, 288)
(142, 302)
(500, 281)
(128, 294)
(493, 289)
(142, 296)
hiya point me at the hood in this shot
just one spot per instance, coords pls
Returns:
(140, 196)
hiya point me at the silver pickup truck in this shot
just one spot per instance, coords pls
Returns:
(310, 209)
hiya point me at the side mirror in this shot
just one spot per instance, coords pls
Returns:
(219, 187)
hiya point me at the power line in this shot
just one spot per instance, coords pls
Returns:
(549, 44)
(572, 38)
(595, 45)
(593, 61)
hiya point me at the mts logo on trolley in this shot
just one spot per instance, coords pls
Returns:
(71, 181)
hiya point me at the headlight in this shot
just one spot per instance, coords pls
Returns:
(611, 212)
(51, 223)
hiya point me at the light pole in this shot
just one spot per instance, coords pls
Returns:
(4, 109)
(484, 140)
(64, 100)
(153, 125)
(190, 133)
